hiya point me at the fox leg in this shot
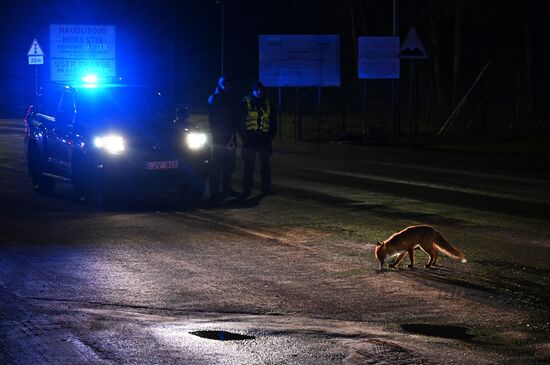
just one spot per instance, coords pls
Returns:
(432, 252)
(398, 260)
(411, 256)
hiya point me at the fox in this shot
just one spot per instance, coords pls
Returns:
(425, 237)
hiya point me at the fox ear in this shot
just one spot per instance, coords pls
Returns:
(379, 243)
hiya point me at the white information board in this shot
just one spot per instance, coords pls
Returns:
(300, 60)
(77, 50)
(378, 58)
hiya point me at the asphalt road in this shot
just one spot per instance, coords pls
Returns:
(287, 279)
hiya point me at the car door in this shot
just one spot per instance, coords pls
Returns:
(42, 123)
(61, 136)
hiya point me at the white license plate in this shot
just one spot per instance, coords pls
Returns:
(161, 165)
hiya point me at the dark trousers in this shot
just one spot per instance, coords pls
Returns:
(249, 157)
(221, 168)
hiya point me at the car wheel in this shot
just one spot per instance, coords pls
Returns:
(192, 190)
(41, 184)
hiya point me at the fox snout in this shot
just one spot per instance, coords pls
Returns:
(380, 253)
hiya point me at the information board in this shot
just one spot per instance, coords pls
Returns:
(78, 50)
(300, 60)
(378, 58)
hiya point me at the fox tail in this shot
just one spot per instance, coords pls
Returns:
(444, 246)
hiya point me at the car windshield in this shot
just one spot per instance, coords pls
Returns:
(128, 103)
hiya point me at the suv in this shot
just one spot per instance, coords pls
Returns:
(102, 138)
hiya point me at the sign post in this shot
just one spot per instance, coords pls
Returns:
(413, 50)
(300, 61)
(36, 57)
(377, 60)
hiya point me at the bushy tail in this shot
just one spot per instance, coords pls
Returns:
(444, 246)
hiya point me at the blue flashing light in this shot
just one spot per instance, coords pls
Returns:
(90, 79)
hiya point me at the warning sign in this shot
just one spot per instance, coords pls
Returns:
(35, 49)
(412, 47)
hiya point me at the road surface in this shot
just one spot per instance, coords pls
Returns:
(285, 279)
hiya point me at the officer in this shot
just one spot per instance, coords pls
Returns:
(222, 119)
(257, 130)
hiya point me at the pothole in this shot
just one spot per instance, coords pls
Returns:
(221, 335)
(434, 330)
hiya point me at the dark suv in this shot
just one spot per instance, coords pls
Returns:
(113, 137)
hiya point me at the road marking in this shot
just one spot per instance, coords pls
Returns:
(433, 186)
(248, 231)
(14, 165)
(479, 174)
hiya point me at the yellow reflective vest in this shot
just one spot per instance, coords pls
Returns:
(257, 116)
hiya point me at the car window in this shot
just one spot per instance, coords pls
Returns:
(66, 110)
(67, 103)
(49, 101)
(130, 103)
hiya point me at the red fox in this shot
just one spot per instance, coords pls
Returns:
(424, 237)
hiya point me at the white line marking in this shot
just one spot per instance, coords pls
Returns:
(463, 172)
(242, 229)
(434, 186)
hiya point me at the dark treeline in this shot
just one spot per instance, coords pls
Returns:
(175, 45)
(462, 37)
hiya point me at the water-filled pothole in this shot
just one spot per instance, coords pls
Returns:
(221, 335)
(445, 331)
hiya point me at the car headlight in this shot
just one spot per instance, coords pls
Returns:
(111, 143)
(195, 140)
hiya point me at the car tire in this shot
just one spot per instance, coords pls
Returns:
(192, 190)
(41, 184)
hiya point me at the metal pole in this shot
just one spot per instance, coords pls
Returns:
(35, 79)
(343, 95)
(223, 31)
(221, 4)
(364, 130)
(412, 101)
(319, 116)
(280, 113)
(395, 82)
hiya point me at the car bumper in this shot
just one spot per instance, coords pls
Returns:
(151, 172)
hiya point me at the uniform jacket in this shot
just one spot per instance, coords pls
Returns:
(222, 116)
(259, 122)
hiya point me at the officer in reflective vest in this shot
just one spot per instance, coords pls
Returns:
(258, 129)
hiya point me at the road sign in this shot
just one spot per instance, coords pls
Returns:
(378, 58)
(36, 60)
(300, 60)
(412, 47)
(78, 49)
(35, 49)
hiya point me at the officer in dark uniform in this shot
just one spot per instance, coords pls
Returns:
(222, 119)
(258, 128)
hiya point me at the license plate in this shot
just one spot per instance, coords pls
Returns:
(161, 165)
